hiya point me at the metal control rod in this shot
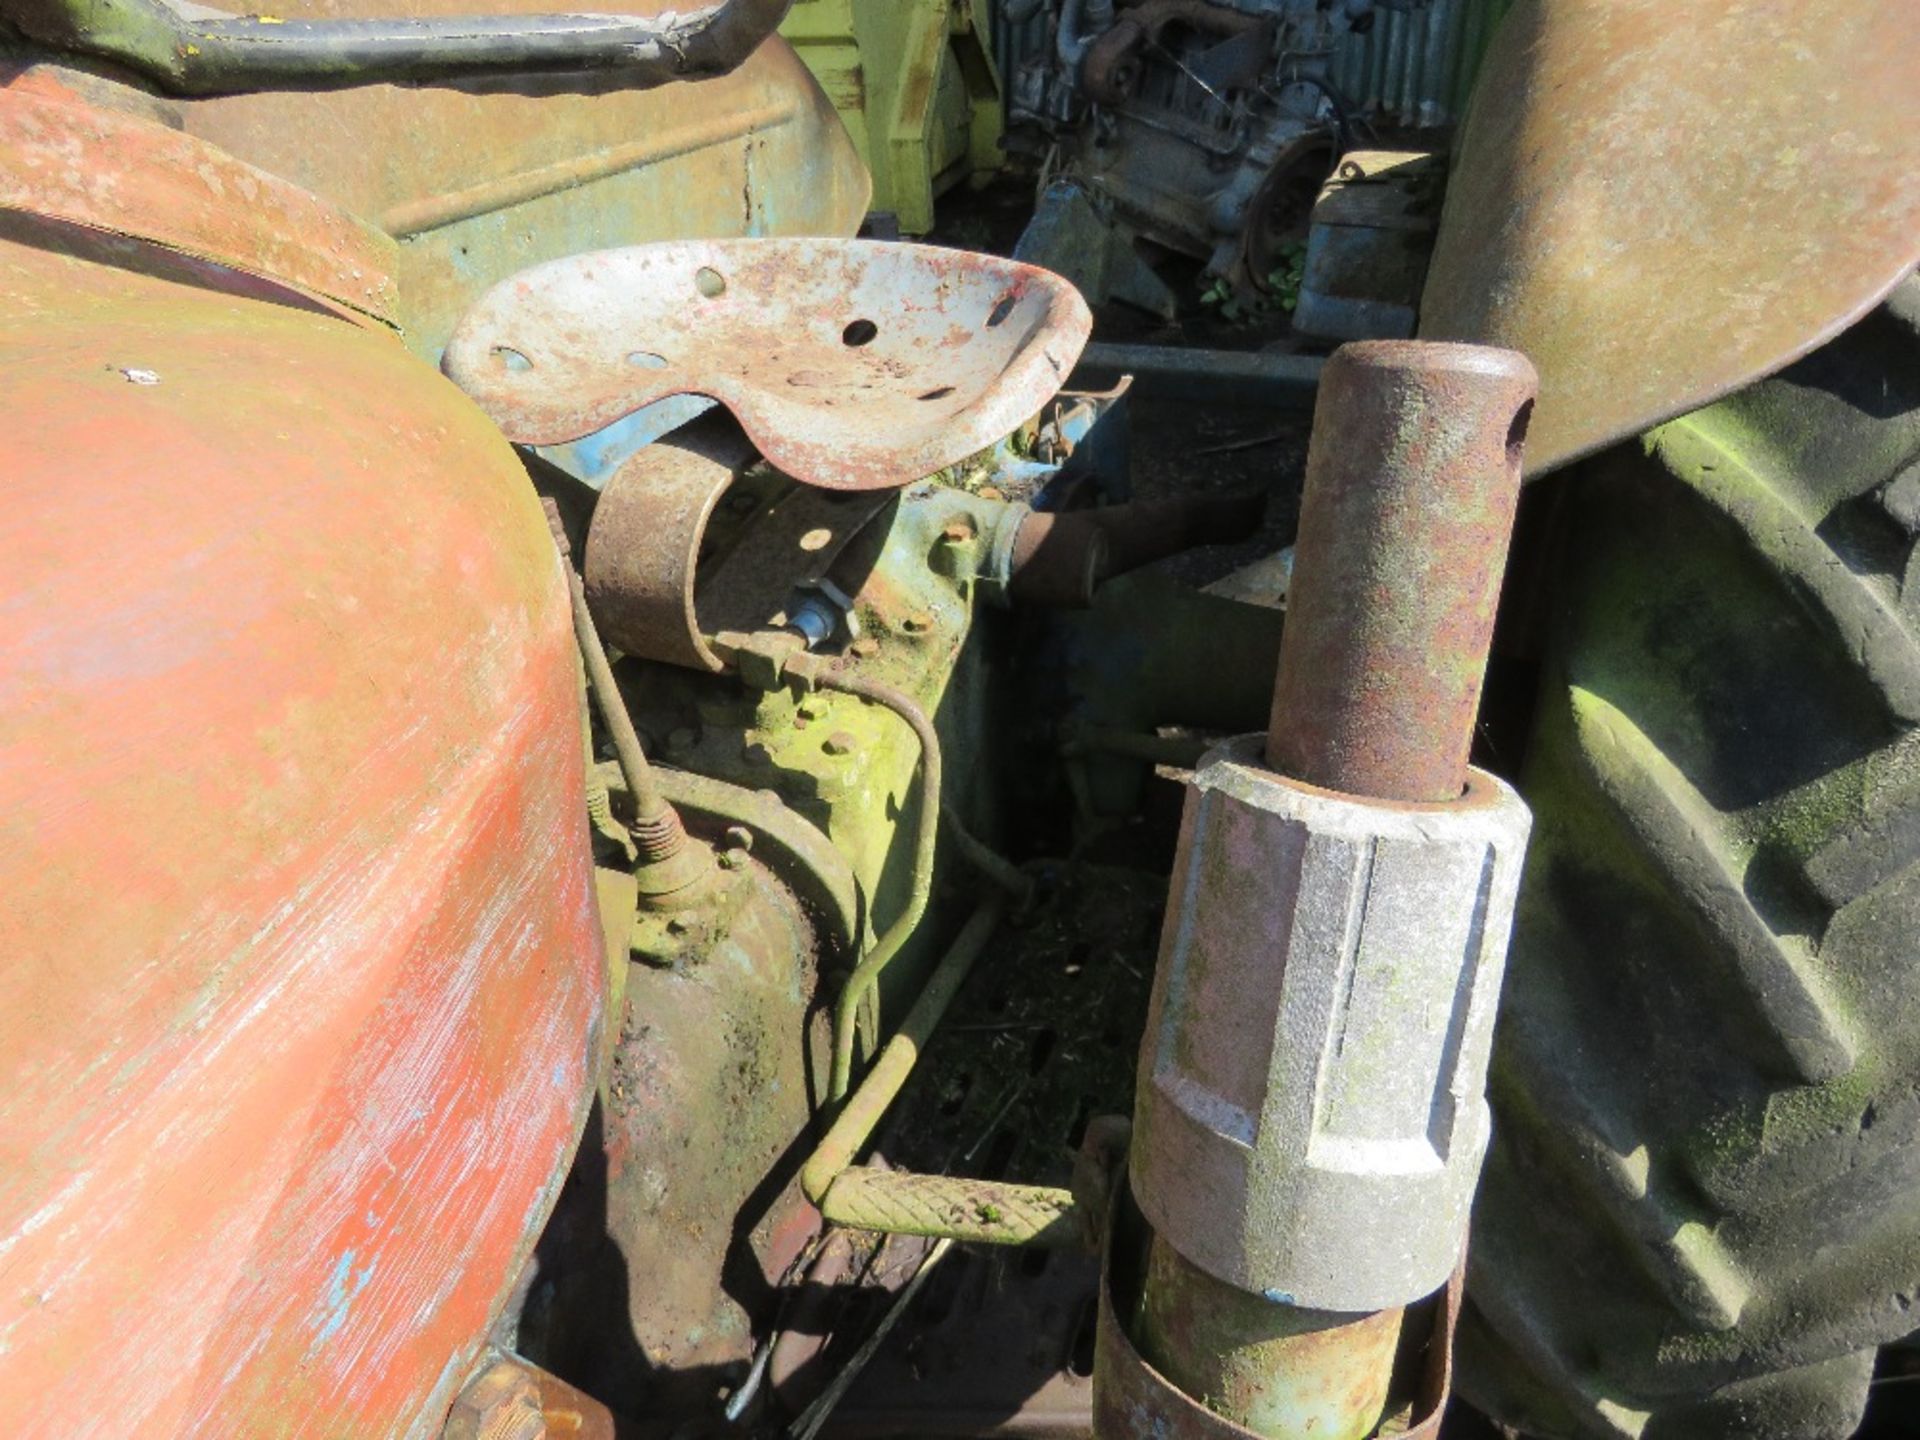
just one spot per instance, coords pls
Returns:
(671, 866)
(648, 803)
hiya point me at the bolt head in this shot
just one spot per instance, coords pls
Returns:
(957, 532)
(838, 743)
(917, 624)
(501, 1403)
(865, 647)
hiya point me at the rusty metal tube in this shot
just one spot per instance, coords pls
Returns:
(992, 865)
(866, 976)
(1276, 1369)
(1413, 473)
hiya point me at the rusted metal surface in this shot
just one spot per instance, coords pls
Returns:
(681, 1217)
(1413, 474)
(1056, 560)
(1310, 1120)
(1059, 559)
(568, 1413)
(665, 573)
(672, 870)
(1132, 1399)
(206, 51)
(478, 182)
(803, 858)
(852, 365)
(1657, 203)
(1274, 1368)
(643, 550)
(125, 174)
(303, 980)
(510, 1399)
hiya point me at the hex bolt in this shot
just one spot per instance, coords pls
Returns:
(957, 532)
(838, 743)
(865, 648)
(500, 1403)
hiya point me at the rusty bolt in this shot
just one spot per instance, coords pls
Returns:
(838, 743)
(865, 647)
(502, 1402)
(957, 532)
(678, 926)
(737, 837)
(917, 624)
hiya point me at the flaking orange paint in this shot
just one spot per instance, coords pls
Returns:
(299, 964)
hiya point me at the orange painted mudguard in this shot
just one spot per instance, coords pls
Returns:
(300, 969)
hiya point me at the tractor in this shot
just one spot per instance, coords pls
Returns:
(699, 848)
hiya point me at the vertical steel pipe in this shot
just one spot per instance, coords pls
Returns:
(1413, 474)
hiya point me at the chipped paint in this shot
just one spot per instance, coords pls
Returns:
(850, 364)
(298, 886)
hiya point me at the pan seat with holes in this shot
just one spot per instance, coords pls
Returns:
(850, 364)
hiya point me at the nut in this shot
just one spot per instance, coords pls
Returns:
(502, 1402)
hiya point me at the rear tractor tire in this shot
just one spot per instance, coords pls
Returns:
(1701, 1215)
